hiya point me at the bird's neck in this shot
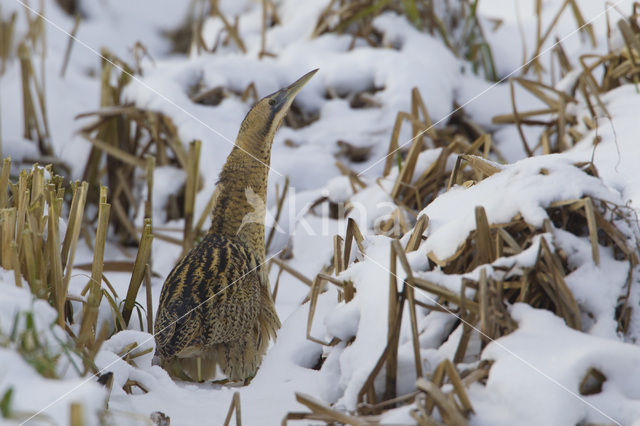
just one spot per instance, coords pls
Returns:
(239, 209)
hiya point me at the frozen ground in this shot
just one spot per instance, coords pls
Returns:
(537, 368)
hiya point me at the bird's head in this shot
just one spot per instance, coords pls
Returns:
(267, 114)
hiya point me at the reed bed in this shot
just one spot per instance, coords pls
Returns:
(127, 145)
(128, 142)
(481, 306)
(36, 122)
(40, 250)
(455, 23)
(485, 313)
(461, 136)
(587, 79)
(463, 140)
(7, 28)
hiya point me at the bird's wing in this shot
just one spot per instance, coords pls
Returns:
(212, 296)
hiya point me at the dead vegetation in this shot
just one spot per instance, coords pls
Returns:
(37, 202)
(354, 18)
(7, 28)
(585, 81)
(41, 254)
(128, 143)
(188, 37)
(481, 306)
(36, 122)
(460, 140)
(455, 23)
(484, 314)
(461, 136)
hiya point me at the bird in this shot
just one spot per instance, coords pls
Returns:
(216, 309)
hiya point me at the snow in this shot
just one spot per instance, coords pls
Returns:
(540, 339)
(32, 392)
(616, 162)
(525, 187)
(536, 369)
(598, 300)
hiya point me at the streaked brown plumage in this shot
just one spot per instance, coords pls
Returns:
(215, 307)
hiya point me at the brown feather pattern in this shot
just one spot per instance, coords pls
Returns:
(216, 308)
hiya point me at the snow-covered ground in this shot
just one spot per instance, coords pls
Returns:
(537, 369)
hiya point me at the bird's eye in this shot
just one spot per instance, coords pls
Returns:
(272, 102)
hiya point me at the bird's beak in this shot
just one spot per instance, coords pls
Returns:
(284, 97)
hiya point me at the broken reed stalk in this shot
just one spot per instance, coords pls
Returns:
(127, 134)
(447, 369)
(286, 267)
(483, 298)
(22, 201)
(337, 255)
(234, 406)
(148, 214)
(54, 258)
(8, 220)
(90, 313)
(276, 285)
(7, 29)
(191, 187)
(481, 167)
(368, 388)
(582, 26)
(418, 126)
(72, 38)
(448, 410)
(410, 294)
(107, 94)
(150, 165)
(279, 205)
(73, 230)
(541, 286)
(36, 126)
(147, 286)
(137, 276)
(463, 137)
(489, 308)
(326, 413)
(15, 264)
(352, 233)
(76, 414)
(314, 292)
(617, 67)
(28, 109)
(263, 32)
(467, 320)
(4, 181)
(392, 312)
(418, 129)
(116, 152)
(486, 250)
(232, 30)
(208, 208)
(416, 235)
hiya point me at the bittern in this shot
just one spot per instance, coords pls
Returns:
(216, 307)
